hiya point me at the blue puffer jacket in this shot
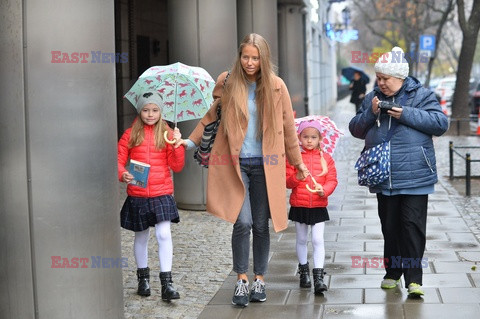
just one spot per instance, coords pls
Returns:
(412, 159)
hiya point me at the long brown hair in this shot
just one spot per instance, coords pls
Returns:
(235, 93)
(137, 134)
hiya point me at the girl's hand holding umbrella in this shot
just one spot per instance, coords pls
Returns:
(177, 137)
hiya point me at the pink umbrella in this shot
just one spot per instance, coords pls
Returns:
(330, 132)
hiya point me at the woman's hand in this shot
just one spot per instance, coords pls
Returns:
(396, 112)
(375, 108)
(302, 171)
(180, 142)
(127, 177)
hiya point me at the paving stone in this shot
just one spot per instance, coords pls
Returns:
(332, 296)
(353, 281)
(460, 295)
(446, 280)
(381, 311)
(343, 268)
(281, 312)
(435, 311)
(398, 295)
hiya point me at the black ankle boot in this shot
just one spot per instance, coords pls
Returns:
(304, 271)
(319, 285)
(168, 292)
(143, 276)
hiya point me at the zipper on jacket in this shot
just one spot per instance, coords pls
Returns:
(426, 159)
(311, 165)
(149, 158)
(390, 153)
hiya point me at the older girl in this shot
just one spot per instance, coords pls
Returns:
(153, 205)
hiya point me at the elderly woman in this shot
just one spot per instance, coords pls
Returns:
(403, 197)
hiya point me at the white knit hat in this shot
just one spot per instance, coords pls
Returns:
(393, 63)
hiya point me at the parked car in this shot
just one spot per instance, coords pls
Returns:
(475, 99)
(433, 83)
(445, 89)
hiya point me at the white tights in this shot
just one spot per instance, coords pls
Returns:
(317, 243)
(165, 246)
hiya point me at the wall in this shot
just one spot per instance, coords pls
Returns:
(58, 161)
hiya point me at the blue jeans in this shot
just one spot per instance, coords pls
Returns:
(253, 218)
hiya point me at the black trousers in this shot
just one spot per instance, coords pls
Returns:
(404, 224)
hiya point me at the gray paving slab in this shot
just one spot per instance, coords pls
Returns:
(399, 296)
(441, 311)
(370, 311)
(204, 277)
(332, 296)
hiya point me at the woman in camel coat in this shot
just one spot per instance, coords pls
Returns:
(246, 174)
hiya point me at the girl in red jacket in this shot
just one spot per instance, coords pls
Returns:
(309, 202)
(154, 204)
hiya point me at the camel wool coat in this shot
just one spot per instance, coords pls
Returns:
(225, 189)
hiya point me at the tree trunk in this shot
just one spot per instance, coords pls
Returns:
(460, 107)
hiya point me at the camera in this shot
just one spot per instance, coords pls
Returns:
(384, 106)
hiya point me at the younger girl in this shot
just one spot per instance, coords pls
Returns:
(153, 205)
(309, 205)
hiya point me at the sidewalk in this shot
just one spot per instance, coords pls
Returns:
(202, 261)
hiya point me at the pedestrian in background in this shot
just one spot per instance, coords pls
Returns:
(310, 208)
(358, 88)
(255, 135)
(403, 197)
(153, 205)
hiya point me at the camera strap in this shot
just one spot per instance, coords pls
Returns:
(394, 122)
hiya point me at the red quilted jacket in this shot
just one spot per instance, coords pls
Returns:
(300, 196)
(161, 161)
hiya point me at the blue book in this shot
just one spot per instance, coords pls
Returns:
(140, 172)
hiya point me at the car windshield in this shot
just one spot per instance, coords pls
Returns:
(448, 84)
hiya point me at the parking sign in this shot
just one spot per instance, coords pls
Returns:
(427, 43)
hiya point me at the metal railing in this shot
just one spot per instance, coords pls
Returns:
(468, 163)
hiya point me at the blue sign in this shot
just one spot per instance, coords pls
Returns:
(340, 35)
(427, 43)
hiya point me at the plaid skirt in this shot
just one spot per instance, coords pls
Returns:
(139, 213)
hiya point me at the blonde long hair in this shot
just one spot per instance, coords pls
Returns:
(236, 93)
(137, 134)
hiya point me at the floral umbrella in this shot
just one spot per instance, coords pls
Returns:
(330, 132)
(186, 90)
